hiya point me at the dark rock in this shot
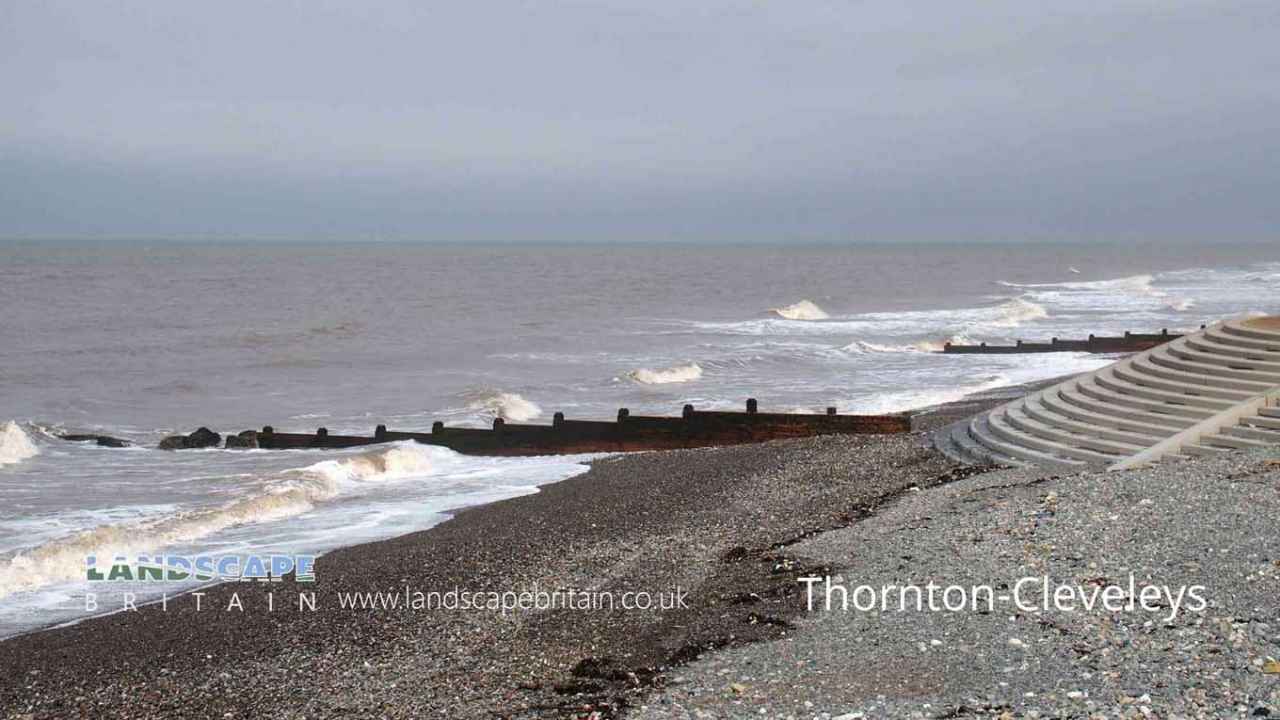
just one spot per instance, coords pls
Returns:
(244, 439)
(202, 438)
(103, 440)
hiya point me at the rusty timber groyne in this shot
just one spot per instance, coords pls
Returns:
(693, 429)
(1127, 343)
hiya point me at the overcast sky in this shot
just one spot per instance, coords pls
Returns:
(618, 120)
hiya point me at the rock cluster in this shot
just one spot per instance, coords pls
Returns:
(201, 438)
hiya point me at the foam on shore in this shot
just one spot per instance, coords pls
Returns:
(292, 493)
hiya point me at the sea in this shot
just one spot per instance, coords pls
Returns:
(140, 340)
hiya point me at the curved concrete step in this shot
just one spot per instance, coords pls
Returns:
(1132, 373)
(1053, 401)
(1108, 378)
(1035, 407)
(1203, 450)
(1263, 421)
(1231, 441)
(942, 442)
(1244, 388)
(1161, 356)
(1249, 432)
(1153, 407)
(1269, 371)
(1068, 440)
(1073, 395)
(1207, 344)
(1203, 394)
(980, 430)
(962, 438)
(1004, 427)
(1222, 336)
(1254, 328)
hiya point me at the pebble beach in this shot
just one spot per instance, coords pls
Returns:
(733, 530)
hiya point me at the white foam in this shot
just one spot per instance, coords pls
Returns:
(803, 310)
(861, 346)
(505, 405)
(1181, 304)
(292, 493)
(1138, 284)
(1016, 311)
(15, 445)
(664, 376)
(1018, 369)
(903, 400)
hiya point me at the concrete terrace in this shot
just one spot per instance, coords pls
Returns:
(1203, 394)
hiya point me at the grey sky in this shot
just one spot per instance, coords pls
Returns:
(641, 120)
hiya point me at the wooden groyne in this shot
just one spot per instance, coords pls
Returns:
(693, 429)
(1127, 343)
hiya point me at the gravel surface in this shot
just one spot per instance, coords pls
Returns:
(735, 529)
(713, 522)
(1203, 522)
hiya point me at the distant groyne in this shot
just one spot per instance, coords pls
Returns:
(1127, 343)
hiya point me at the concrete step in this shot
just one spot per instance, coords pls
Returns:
(1178, 349)
(1161, 356)
(1035, 407)
(1131, 372)
(1208, 384)
(1052, 400)
(1005, 427)
(980, 430)
(1202, 450)
(1231, 441)
(961, 437)
(1020, 418)
(1263, 421)
(1207, 344)
(1154, 407)
(1071, 393)
(1144, 366)
(1250, 329)
(1252, 432)
(1108, 378)
(1225, 337)
(944, 441)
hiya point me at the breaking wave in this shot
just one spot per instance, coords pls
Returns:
(1015, 311)
(1182, 304)
(1137, 284)
(803, 310)
(664, 376)
(292, 493)
(15, 446)
(508, 406)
